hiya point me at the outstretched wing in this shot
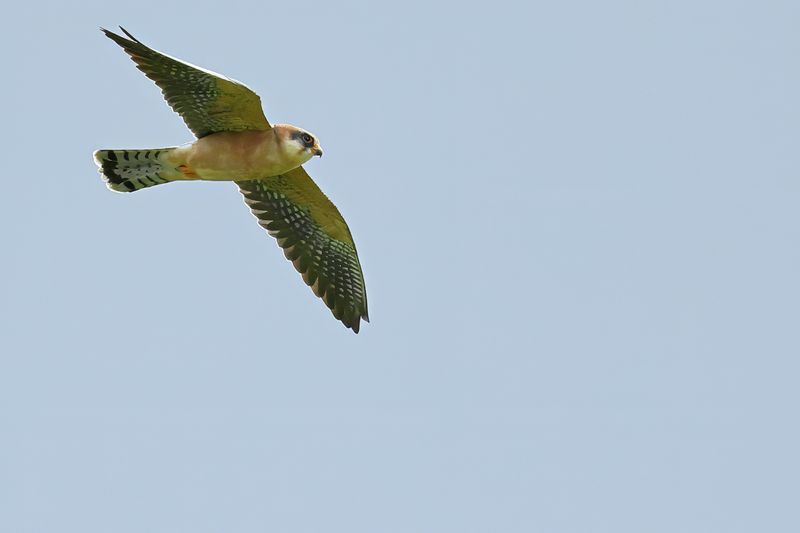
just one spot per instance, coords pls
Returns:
(314, 237)
(207, 102)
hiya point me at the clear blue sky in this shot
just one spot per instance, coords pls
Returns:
(579, 227)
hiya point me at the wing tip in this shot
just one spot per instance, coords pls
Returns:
(355, 322)
(131, 37)
(119, 39)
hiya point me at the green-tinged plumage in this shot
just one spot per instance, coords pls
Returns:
(290, 206)
(208, 102)
(315, 237)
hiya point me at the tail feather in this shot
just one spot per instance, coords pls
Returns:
(131, 170)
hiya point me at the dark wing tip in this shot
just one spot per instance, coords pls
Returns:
(119, 39)
(354, 322)
(131, 37)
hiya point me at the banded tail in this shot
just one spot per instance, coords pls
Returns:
(131, 170)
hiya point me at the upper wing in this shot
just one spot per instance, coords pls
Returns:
(315, 237)
(207, 102)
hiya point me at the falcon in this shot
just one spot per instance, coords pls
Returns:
(235, 142)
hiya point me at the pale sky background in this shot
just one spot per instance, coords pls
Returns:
(579, 225)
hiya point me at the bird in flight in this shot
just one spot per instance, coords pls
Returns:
(235, 142)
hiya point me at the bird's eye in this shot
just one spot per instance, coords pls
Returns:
(308, 139)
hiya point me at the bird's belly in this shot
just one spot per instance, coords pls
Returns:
(238, 169)
(234, 156)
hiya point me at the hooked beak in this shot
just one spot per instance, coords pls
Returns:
(317, 151)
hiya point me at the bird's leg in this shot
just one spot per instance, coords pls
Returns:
(187, 172)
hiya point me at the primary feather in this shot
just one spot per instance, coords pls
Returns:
(208, 102)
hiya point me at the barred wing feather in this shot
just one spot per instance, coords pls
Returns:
(314, 237)
(208, 102)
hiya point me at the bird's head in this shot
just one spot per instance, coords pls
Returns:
(297, 142)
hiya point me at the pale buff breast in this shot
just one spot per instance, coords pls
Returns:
(228, 156)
